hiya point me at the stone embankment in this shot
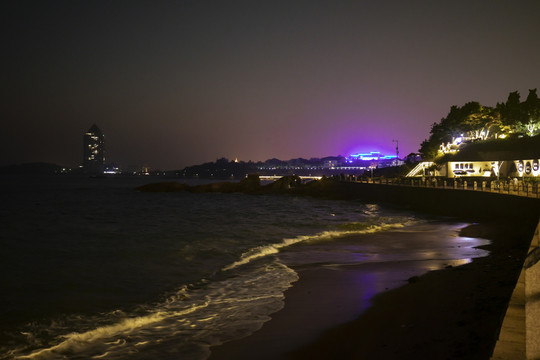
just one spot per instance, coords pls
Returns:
(519, 336)
(452, 202)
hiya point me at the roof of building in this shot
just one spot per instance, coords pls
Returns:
(490, 150)
(94, 129)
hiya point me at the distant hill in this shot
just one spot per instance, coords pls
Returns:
(31, 168)
(223, 168)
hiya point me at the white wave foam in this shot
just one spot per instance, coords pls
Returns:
(77, 341)
(192, 320)
(189, 322)
(262, 251)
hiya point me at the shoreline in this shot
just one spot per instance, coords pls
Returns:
(451, 313)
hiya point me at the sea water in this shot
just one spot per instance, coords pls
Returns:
(91, 268)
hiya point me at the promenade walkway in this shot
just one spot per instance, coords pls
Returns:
(516, 188)
(519, 337)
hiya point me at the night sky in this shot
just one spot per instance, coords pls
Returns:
(178, 83)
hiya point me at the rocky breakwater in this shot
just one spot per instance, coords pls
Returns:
(250, 185)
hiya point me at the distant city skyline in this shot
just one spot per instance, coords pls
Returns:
(174, 84)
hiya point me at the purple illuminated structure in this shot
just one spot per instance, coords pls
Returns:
(373, 159)
(371, 156)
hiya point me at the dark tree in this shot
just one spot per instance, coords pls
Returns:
(531, 106)
(512, 112)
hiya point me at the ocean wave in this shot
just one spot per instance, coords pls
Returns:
(187, 323)
(354, 228)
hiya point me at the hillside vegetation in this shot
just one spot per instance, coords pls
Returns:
(475, 121)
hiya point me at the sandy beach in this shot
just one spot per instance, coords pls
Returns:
(453, 313)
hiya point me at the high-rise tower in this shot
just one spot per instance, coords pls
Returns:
(94, 152)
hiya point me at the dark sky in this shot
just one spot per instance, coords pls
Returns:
(177, 83)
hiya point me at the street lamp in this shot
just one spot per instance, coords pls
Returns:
(397, 151)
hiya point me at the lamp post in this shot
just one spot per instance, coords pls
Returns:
(397, 151)
(499, 169)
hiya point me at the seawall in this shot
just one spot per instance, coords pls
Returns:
(469, 204)
(519, 337)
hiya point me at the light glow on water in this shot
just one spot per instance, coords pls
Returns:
(262, 251)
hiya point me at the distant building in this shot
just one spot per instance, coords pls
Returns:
(528, 168)
(373, 159)
(94, 150)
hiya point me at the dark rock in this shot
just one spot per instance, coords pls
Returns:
(284, 183)
(251, 183)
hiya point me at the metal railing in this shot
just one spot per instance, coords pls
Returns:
(511, 187)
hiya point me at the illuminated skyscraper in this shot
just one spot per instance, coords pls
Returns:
(94, 152)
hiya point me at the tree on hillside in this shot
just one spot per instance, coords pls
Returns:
(470, 120)
(480, 122)
(430, 146)
(521, 117)
(511, 111)
(531, 106)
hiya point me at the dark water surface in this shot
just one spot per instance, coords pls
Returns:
(91, 268)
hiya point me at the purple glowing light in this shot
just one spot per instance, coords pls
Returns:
(371, 156)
